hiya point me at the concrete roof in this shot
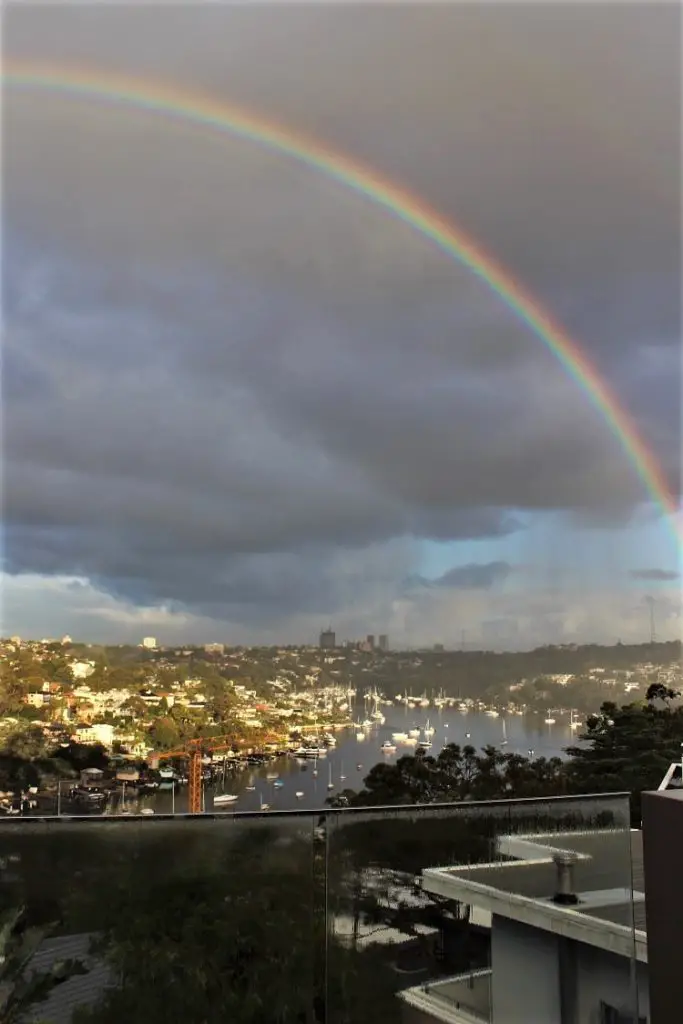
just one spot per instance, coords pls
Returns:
(608, 878)
(81, 990)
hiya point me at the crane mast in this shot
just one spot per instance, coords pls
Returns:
(193, 751)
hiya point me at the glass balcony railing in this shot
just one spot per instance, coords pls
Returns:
(505, 912)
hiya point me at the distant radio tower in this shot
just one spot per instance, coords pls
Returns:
(653, 633)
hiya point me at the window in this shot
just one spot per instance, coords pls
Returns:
(611, 1015)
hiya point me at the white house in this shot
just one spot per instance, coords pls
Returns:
(568, 941)
(82, 669)
(96, 733)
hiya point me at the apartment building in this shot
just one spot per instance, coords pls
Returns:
(568, 940)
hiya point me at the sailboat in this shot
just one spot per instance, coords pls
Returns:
(504, 740)
(330, 784)
(342, 777)
(429, 730)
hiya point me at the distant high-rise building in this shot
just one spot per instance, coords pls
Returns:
(328, 639)
(383, 642)
(149, 642)
(370, 640)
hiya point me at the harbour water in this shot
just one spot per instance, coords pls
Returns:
(345, 765)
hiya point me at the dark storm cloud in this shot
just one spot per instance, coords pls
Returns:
(654, 574)
(225, 375)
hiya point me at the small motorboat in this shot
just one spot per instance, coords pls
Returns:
(225, 798)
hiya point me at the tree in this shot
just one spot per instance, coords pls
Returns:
(457, 773)
(627, 748)
(81, 755)
(25, 759)
(164, 734)
(27, 743)
(657, 691)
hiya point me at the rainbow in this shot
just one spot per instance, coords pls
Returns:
(200, 109)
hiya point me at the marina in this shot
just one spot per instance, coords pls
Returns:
(319, 767)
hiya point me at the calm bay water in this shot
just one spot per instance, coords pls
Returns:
(354, 759)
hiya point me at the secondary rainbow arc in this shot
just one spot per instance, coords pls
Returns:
(160, 99)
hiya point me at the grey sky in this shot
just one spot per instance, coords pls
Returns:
(227, 378)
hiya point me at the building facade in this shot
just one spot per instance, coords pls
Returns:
(563, 946)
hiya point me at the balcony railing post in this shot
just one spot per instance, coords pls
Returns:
(320, 918)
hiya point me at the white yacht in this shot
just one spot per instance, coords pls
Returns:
(225, 798)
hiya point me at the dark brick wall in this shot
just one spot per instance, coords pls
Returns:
(663, 857)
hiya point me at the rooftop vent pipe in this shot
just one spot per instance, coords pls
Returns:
(564, 891)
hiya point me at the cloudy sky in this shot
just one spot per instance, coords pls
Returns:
(242, 402)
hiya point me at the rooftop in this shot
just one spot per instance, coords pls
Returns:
(80, 990)
(608, 880)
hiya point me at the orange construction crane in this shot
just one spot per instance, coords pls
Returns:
(194, 751)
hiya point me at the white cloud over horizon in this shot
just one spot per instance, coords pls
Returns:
(38, 607)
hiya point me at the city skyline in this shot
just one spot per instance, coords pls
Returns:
(242, 400)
